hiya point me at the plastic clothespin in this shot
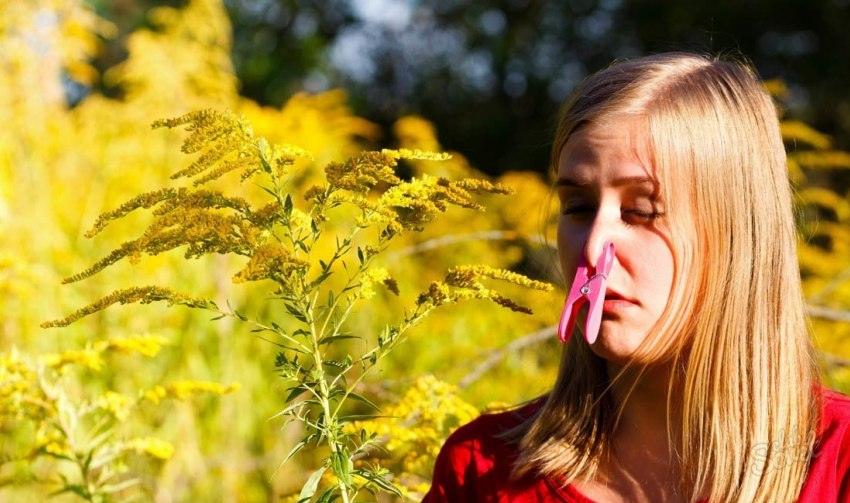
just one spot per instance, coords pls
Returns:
(590, 289)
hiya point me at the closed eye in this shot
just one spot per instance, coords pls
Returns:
(579, 210)
(638, 216)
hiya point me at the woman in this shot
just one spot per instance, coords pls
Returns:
(702, 382)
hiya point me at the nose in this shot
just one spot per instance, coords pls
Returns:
(600, 233)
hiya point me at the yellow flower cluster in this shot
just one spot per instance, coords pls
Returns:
(376, 275)
(86, 358)
(230, 145)
(270, 261)
(17, 380)
(421, 421)
(151, 446)
(406, 205)
(51, 443)
(416, 154)
(146, 200)
(467, 274)
(298, 222)
(226, 135)
(465, 280)
(203, 230)
(142, 295)
(116, 404)
(362, 172)
(181, 390)
(145, 345)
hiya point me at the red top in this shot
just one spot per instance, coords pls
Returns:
(474, 464)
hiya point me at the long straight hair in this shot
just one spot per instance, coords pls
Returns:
(744, 371)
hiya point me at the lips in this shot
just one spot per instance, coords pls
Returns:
(614, 295)
(615, 302)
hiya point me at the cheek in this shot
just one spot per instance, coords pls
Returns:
(568, 253)
(657, 272)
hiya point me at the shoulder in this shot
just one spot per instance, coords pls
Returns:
(834, 415)
(829, 471)
(476, 461)
(482, 438)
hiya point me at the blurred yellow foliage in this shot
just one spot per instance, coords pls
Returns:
(60, 167)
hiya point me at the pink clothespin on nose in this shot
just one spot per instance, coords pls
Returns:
(590, 289)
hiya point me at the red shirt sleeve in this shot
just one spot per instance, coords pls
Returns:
(444, 484)
(843, 468)
(451, 470)
(475, 465)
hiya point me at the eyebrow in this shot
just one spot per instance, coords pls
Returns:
(617, 182)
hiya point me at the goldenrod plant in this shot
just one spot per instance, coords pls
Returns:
(413, 431)
(80, 433)
(323, 362)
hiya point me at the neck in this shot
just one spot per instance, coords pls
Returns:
(644, 414)
(642, 463)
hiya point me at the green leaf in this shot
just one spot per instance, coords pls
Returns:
(328, 496)
(77, 489)
(295, 391)
(266, 167)
(340, 337)
(87, 462)
(360, 398)
(270, 192)
(342, 466)
(291, 407)
(360, 255)
(287, 205)
(363, 417)
(100, 439)
(113, 488)
(103, 459)
(379, 481)
(322, 277)
(336, 364)
(283, 346)
(295, 449)
(312, 484)
(296, 313)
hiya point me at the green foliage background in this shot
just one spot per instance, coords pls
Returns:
(62, 165)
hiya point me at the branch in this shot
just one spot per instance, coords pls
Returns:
(833, 361)
(498, 354)
(828, 314)
(462, 238)
(831, 286)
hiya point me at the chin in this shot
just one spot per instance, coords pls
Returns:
(615, 354)
(616, 347)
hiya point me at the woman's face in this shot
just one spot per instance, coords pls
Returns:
(608, 192)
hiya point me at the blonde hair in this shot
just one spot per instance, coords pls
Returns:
(743, 364)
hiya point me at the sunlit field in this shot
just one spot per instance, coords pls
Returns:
(187, 306)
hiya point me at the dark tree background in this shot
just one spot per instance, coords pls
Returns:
(491, 74)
